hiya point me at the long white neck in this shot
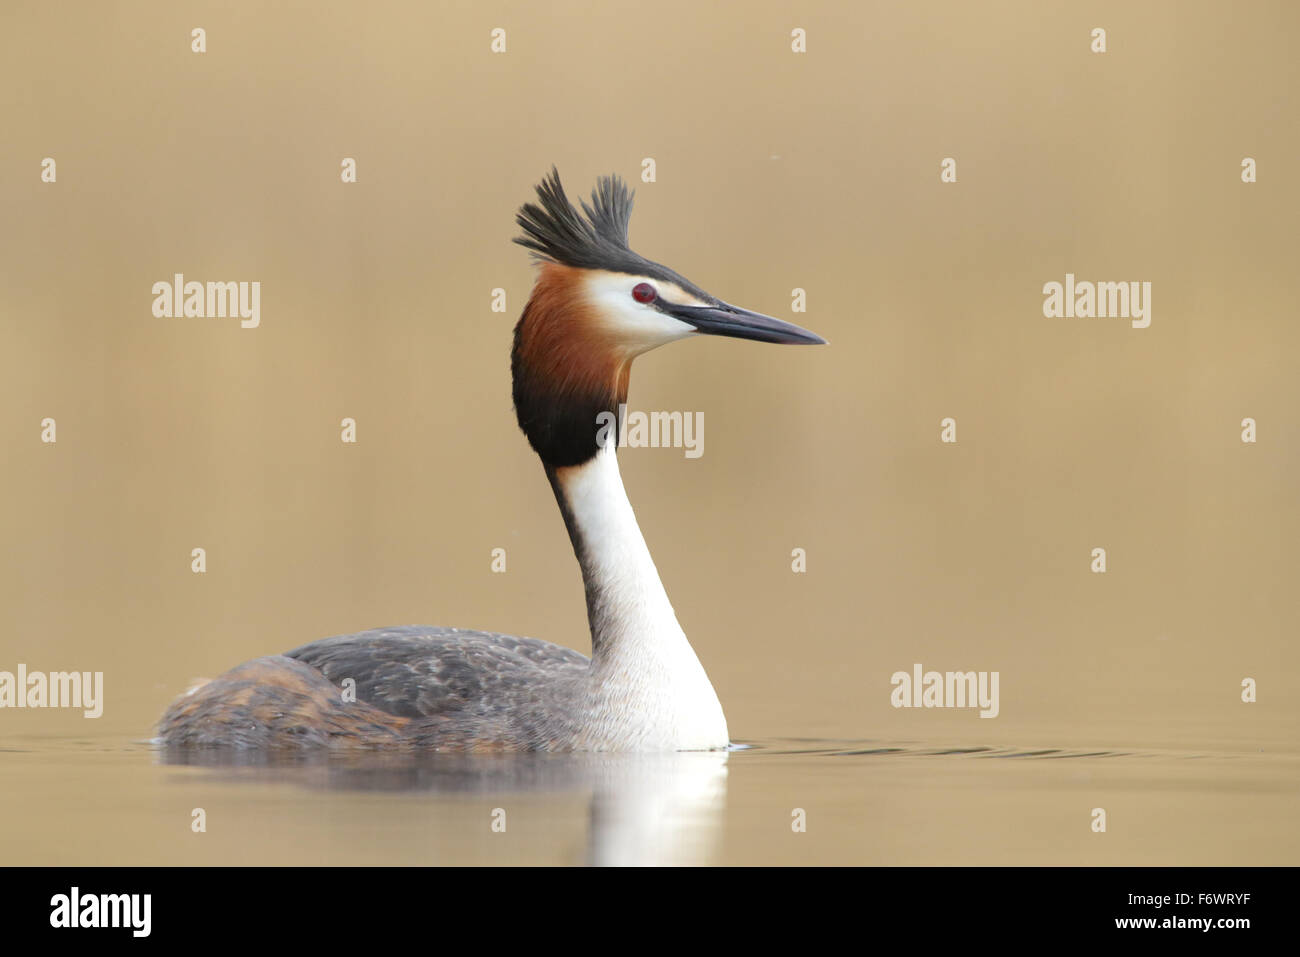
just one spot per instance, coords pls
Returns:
(648, 690)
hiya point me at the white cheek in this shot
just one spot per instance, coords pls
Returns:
(636, 325)
(643, 327)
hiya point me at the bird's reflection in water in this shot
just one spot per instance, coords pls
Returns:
(644, 809)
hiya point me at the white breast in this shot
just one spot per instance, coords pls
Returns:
(648, 691)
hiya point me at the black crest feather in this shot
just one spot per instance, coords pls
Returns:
(595, 238)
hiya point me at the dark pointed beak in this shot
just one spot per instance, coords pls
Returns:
(726, 320)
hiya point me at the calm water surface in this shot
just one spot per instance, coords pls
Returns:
(115, 801)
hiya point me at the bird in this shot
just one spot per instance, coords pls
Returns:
(595, 306)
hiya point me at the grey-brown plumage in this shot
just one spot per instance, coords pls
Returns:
(421, 687)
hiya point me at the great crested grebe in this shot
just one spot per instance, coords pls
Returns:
(594, 307)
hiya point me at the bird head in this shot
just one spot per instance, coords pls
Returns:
(597, 305)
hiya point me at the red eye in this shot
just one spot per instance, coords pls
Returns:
(644, 292)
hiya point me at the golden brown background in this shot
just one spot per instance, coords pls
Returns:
(775, 171)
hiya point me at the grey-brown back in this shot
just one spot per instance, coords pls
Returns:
(415, 686)
(459, 683)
